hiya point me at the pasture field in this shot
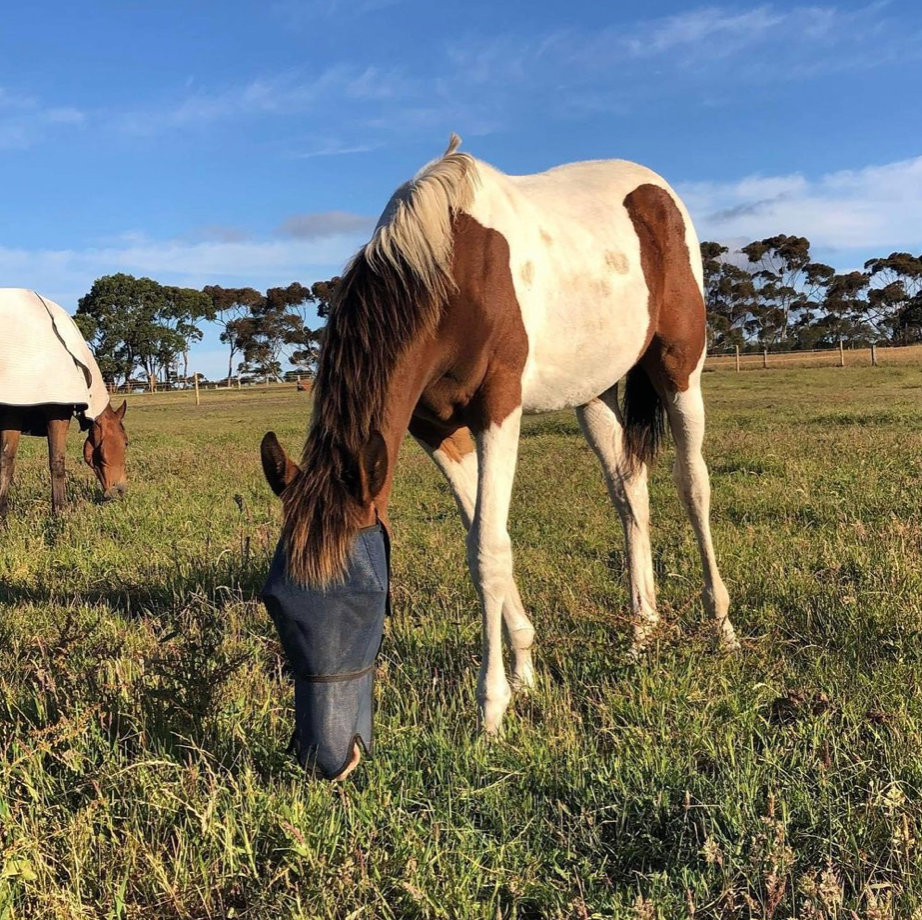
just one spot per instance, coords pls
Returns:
(144, 711)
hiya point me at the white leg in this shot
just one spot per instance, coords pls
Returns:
(460, 470)
(489, 555)
(600, 421)
(686, 419)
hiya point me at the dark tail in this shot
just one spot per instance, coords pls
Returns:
(644, 417)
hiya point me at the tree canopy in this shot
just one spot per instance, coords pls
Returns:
(772, 293)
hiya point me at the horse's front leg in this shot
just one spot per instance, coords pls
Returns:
(57, 444)
(489, 554)
(455, 455)
(9, 444)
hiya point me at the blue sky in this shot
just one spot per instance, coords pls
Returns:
(247, 143)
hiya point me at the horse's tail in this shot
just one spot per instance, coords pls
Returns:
(644, 417)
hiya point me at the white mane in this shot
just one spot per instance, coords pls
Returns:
(414, 232)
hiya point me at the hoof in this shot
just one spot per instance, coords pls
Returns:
(728, 641)
(523, 679)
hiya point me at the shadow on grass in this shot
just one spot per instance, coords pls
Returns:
(162, 593)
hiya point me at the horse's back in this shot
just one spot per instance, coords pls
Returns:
(575, 259)
(44, 360)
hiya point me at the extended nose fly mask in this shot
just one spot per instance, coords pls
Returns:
(332, 636)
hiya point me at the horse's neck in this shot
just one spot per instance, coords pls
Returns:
(411, 374)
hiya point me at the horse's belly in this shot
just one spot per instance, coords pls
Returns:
(579, 348)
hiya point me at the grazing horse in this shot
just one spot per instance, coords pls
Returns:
(47, 376)
(480, 297)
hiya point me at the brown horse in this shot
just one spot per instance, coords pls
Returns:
(482, 296)
(48, 375)
(103, 450)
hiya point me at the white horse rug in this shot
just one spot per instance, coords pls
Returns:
(44, 358)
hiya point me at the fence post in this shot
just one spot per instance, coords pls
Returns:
(764, 357)
(873, 354)
(737, 359)
(198, 400)
(841, 354)
(238, 381)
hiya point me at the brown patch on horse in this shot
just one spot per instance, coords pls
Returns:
(546, 237)
(676, 338)
(676, 335)
(528, 272)
(455, 443)
(481, 346)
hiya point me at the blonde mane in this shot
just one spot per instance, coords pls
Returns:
(392, 293)
(414, 232)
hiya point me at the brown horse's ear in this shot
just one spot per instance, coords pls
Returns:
(374, 464)
(278, 467)
(88, 452)
(120, 411)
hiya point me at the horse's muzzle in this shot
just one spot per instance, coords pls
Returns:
(116, 491)
(331, 637)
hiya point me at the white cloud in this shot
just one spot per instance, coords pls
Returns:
(67, 274)
(876, 207)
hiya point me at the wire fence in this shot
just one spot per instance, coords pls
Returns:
(766, 359)
(198, 382)
(736, 360)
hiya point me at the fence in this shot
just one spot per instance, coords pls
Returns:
(196, 383)
(874, 355)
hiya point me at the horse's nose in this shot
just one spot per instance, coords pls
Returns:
(116, 491)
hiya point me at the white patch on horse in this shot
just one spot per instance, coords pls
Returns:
(586, 320)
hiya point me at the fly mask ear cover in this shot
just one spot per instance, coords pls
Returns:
(332, 636)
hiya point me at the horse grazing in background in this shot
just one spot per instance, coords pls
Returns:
(481, 297)
(47, 376)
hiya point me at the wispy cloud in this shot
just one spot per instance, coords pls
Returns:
(333, 148)
(750, 45)
(280, 95)
(485, 82)
(24, 120)
(66, 274)
(876, 207)
(301, 14)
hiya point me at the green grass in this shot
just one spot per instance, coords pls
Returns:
(144, 710)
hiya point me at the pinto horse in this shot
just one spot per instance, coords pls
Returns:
(480, 297)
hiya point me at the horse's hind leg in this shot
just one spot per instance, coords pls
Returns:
(57, 443)
(626, 479)
(456, 457)
(9, 445)
(685, 410)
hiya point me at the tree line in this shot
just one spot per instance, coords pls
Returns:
(772, 294)
(139, 326)
(767, 294)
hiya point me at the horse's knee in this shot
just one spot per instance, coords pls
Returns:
(490, 560)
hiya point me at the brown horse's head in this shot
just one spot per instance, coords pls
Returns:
(104, 450)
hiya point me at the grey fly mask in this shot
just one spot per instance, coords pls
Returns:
(331, 637)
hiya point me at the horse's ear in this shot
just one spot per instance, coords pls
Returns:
(374, 464)
(120, 411)
(278, 467)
